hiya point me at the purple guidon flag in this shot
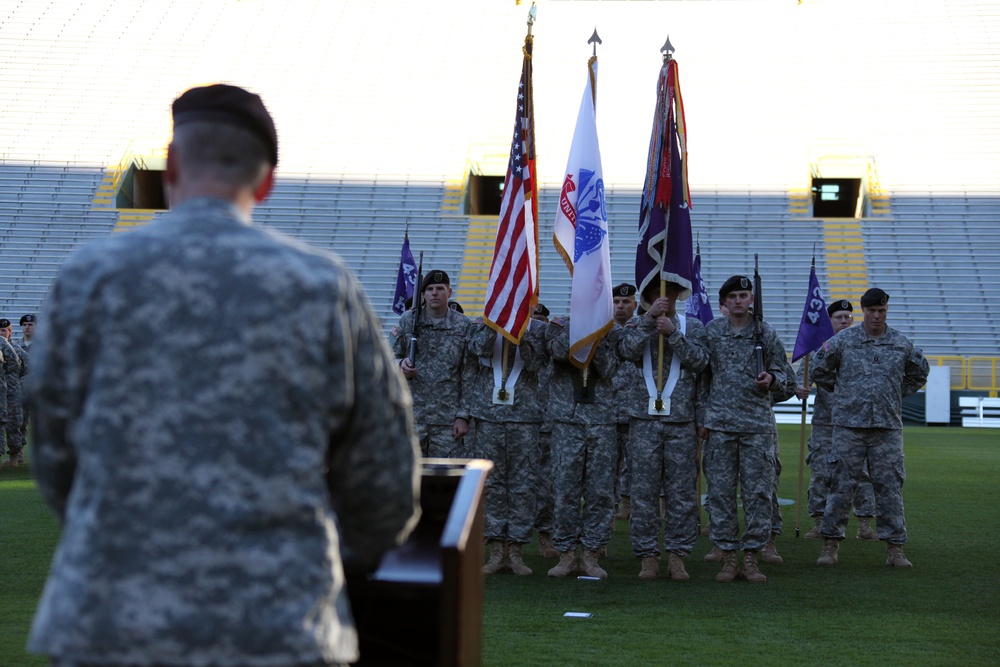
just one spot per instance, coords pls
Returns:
(406, 278)
(698, 305)
(816, 327)
(664, 247)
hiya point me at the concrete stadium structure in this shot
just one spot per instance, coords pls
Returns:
(389, 112)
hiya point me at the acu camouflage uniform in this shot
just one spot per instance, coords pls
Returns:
(741, 446)
(507, 435)
(438, 398)
(10, 409)
(663, 450)
(624, 382)
(583, 443)
(869, 377)
(820, 451)
(545, 488)
(188, 537)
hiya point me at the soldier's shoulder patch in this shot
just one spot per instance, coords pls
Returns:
(395, 331)
(826, 346)
(634, 322)
(477, 320)
(558, 321)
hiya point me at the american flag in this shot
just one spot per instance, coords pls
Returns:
(513, 285)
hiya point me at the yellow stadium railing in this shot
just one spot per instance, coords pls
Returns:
(981, 374)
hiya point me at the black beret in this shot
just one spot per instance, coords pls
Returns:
(222, 103)
(874, 297)
(839, 305)
(435, 278)
(455, 305)
(540, 309)
(4, 323)
(27, 318)
(624, 289)
(734, 284)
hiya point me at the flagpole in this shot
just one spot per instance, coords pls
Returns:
(665, 50)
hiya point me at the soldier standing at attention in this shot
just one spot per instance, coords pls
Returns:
(624, 381)
(436, 375)
(869, 369)
(543, 495)
(504, 403)
(821, 445)
(583, 450)
(663, 443)
(25, 340)
(739, 429)
(10, 429)
(186, 540)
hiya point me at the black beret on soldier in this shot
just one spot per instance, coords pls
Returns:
(4, 323)
(232, 105)
(435, 278)
(27, 318)
(540, 309)
(735, 284)
(624, 289)
(874, 297)
(839, 305)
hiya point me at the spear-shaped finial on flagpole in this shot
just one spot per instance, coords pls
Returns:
(667, 50)
(532, 15)
(595, 40)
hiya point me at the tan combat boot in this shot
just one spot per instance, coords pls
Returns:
(589, 566)
(515, 558)
(545, 548)
(751, 572)
(675, 568)
(829, 553)
(894, 556)
(650, 568)
(566, 566)
(814, 533)
(715, 555)
(865, 531)
(624, 508)
(770, 553)
(18, 458)
(730, 568)
(498, 557)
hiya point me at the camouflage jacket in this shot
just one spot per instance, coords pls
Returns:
(822, 405)
(438, 398)
(869, 376)
(534, 357)
(690, 347)
(562, 406)
(209, 473)
(734, 404)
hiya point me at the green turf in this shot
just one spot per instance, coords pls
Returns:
(943, 612)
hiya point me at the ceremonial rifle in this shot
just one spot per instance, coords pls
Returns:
(758, 317)
(418, 298)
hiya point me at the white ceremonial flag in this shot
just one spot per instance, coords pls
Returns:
(581, 232)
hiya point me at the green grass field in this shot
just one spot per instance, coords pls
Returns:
(945, 611)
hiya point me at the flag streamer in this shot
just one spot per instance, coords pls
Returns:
(815, 327)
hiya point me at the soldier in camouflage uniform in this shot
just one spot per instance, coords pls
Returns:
(13, 369)
(12, 428)
(436, 378)
(24, 341)
(583, 450)
(544, 493)
(188, 537)
(624, 381)
(739, 429)
(821, 445)
(869, 369)
(504, 404)
(663, 447)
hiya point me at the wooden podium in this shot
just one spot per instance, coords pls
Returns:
(424, 603)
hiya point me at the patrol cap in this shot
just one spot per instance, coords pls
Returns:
(540, 309)
(222, 103)
(27, 318)
(624, 289)
(4, 323)
(874, 297)
(735, 284)
(839, 305)
(435, 278)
